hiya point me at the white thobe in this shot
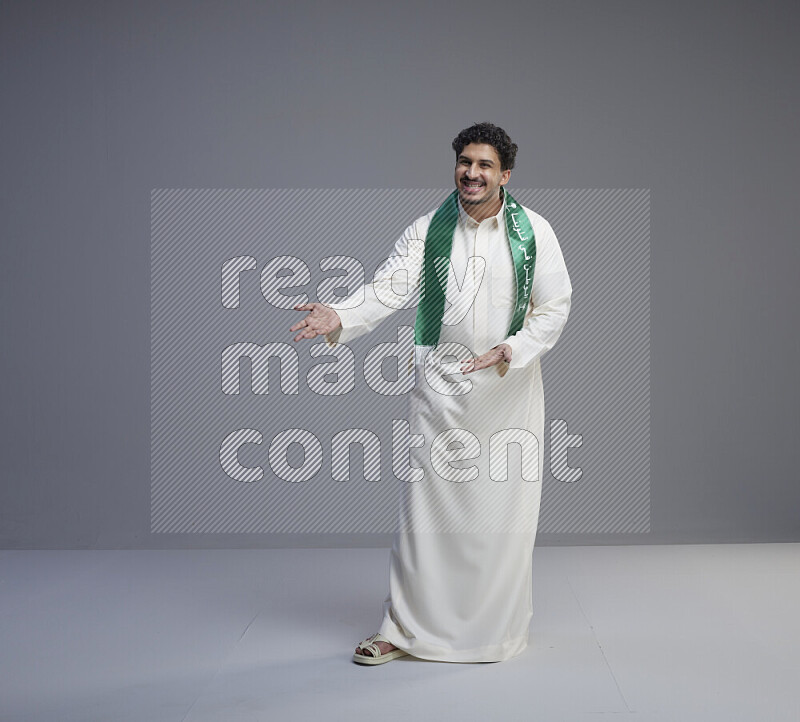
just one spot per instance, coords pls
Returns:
(460, 586)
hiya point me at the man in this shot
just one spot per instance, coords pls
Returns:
(460, 575)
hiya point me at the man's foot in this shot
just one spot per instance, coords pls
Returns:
(377, 650)
(383, 646)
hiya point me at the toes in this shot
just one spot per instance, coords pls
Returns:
(383, 647)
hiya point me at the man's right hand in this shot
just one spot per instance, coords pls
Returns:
(320, 321)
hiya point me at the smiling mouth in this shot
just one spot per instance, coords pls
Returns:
(471, 186)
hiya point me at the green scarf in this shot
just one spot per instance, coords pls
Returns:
(439, 244)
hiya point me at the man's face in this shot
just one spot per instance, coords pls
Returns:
(478, 175)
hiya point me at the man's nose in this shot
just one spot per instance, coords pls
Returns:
(472, 171)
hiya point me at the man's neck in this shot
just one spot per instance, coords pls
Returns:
(482, 211)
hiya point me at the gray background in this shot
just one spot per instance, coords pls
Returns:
(104, 101)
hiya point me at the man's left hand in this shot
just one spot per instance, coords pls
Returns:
(493, 356)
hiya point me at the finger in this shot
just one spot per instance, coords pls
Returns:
(306, 332)
(303, 307)
(299, 325)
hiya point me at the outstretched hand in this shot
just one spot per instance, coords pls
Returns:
(501, 352)
(322, 320)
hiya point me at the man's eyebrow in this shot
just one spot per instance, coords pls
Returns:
(481, 160)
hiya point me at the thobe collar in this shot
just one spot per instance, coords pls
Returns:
(468, 220)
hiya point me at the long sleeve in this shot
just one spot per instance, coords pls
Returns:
(550, 301)
(395, 285)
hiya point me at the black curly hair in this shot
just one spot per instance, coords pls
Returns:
(491, 135)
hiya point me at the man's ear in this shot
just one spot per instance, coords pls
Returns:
(504, 178)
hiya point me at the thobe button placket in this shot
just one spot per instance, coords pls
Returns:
(482, 297)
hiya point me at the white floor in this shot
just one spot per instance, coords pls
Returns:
(644, 633)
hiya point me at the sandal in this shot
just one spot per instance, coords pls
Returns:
(377, 657)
